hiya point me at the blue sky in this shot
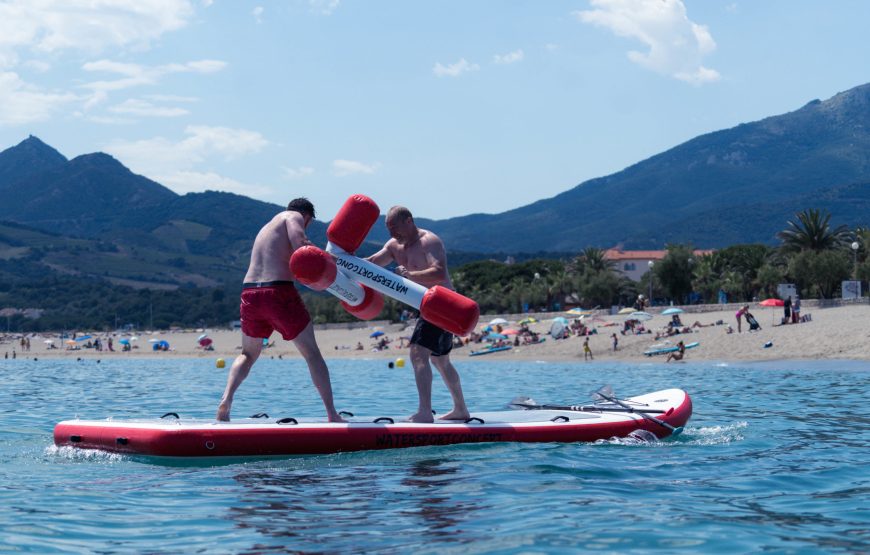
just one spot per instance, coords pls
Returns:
(447, 107)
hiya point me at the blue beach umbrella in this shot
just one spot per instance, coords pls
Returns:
(671, 311)
(83, 338)
(124, 341)
(377, 333)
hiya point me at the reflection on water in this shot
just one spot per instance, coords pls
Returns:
(338, 505)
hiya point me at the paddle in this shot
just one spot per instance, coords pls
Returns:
(529, 404)
(606, 393)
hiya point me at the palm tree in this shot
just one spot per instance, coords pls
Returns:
(813, 232)
(593, 259)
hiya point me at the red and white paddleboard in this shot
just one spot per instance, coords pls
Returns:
(263, 437)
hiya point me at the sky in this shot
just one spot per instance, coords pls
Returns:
(449, 108)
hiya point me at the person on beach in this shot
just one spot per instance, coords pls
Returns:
(587, 352)
(615, 341)
(786, 307)
(739, 314)
(796, 310)
(270, 302)
(420, 257)
(679, 353)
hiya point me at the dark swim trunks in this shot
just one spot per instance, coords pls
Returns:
(432, 337)
(267, 309)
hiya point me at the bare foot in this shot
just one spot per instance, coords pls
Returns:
(456, 414)
(421, 418)
(223, 413)
(335, 418)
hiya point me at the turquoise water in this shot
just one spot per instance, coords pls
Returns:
(775, 458)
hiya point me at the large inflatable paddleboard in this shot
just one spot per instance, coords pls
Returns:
(665, 350)
(258, 437)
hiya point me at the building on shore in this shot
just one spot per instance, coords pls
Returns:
(634, 264)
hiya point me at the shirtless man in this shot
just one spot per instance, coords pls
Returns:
(270, 302)
(421, 258)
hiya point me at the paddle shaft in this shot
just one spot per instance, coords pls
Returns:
(662, 423)
(579, 408)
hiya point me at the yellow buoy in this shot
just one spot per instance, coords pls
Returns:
(220, 363)
(400, 362)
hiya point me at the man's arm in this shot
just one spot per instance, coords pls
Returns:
(295, 223)
(383, 256)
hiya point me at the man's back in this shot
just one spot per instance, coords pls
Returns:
(270, 255)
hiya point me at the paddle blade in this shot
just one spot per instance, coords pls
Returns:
(677, 431)
(523, 402)
(604, 393)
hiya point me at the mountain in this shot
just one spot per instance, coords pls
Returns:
(92, 216)
(730, 186)
(29, 157)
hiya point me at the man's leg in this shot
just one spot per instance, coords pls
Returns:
(423, 377)
(307, 346)
(454, 385)
(251, 347)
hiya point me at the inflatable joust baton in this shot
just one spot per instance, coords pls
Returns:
(359, 284)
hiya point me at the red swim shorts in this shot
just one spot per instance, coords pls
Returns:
(267, 309)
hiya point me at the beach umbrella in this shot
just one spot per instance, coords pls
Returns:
(640, 316)
(48, 341)
(134, 338)
(497, 321)
(70, 342)
(672, 311)
(510, 332)
(205, 341)
(772, 303)
(201, 337)
(152, 340)
(626, 310)
(377, 333)
(124, 341)
(83, 338)
(528, 320)
(579, 312)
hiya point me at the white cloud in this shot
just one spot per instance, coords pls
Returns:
(194, 182)
(36, 65)
(343, 168)
(258, 14)
(454, 70)
(301, 172)
(676, 45)
(137, 75)
(325, 7)
(137, 107)
(86, 25)
(509, 58)
(176, 163)
(23, 103)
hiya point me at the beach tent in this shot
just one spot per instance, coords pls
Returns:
(558, 327)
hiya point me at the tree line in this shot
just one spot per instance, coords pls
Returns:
(812, 254)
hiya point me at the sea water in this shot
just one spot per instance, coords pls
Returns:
(775, 458)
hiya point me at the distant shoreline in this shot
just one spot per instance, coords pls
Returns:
(839, 332)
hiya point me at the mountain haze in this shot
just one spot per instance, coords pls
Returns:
(92, 216)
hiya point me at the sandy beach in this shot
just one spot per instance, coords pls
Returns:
(840, 332)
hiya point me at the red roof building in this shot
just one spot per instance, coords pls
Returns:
(634, 264)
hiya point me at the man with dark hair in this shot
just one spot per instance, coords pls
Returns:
(421, 257)
(271, 303)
